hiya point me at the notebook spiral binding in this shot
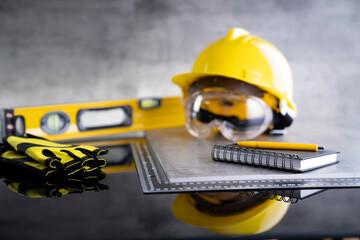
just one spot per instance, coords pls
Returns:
(237, 153)
(280, 195)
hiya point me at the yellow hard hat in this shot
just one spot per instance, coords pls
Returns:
(257, 218)
(247, 58)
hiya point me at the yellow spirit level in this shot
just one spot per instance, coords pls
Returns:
(81, 120)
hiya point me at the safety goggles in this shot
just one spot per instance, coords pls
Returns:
(238, 116)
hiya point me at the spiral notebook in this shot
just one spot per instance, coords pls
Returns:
(297, 161)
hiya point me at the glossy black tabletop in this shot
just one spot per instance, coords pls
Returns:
(124, 212)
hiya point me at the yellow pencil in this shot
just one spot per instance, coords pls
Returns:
(280, 145)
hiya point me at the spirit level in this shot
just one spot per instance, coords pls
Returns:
(81, 120)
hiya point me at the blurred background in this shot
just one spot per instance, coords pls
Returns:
(54, 52)
(69, 51)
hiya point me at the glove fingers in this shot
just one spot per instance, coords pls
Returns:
(52, 160)
(93, 159)
(75, 166)
(94, 162)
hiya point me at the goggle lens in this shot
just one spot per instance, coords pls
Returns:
(237, 116)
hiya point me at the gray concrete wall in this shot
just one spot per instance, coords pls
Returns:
(75, 50)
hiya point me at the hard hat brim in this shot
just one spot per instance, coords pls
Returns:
(186, 79)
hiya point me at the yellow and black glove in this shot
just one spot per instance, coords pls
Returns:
(17, 164)
(26, 176)
(71, 160)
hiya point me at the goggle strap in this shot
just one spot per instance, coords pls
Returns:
(207, 116)
(227, 83)
(281, 121)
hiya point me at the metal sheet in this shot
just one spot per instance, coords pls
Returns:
(173, 161)
(185, 159)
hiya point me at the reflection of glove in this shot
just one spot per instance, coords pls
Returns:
(70, 159)
(41, 189)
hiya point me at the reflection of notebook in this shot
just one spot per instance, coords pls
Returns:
(187, 159)
(297, 161)
(287, 195)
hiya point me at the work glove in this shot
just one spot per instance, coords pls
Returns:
(17, 164)
(26, 176)
(71, 160)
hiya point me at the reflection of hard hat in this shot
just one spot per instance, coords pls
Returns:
(247, 216)
(248, 59)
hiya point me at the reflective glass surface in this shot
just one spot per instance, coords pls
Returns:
(124, 212)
